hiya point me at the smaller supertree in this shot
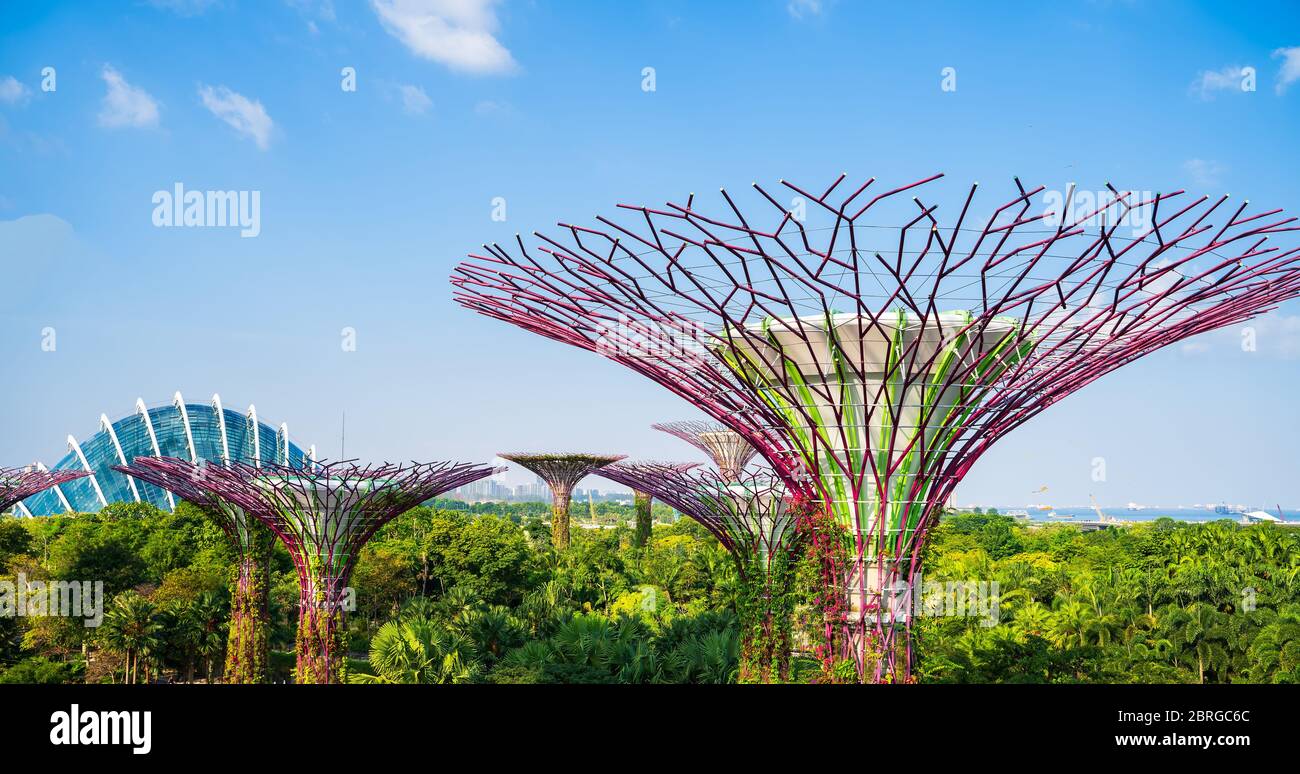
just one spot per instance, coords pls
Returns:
(324, 514)
(561, 472)
(752, 520)
(643, 503)
(17, 484)
(247, 647)
(728, 450)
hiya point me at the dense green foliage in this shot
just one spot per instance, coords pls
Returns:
(455, 593)
(1162, 602)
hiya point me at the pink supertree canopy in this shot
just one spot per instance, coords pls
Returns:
(747, 515)
(17, 484)
(872, 348)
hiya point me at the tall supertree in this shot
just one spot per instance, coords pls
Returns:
(728, 450)
(247, 644)
(751, 518)
(17, 484)
(561, 472)
(324, 514)
(874, 354)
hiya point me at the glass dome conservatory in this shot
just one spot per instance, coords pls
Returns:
(190, 431)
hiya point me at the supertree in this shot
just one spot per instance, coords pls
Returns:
(561, 472)
(751, 517)
(250, 541)
(728, 450)
(643, 505)
(324, 514)
(822, 335)
(17, 484)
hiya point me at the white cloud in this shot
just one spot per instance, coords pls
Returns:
(247, 116)
(801, 9)
(414, 100)
(1290, 72)
(1204, 173)
(456, 33)
(1229, 78)
(12, 91)
(126, 105)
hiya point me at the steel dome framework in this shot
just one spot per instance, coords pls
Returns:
(196, 432)
(872, 353)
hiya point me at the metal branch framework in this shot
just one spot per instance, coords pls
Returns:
(324, 514)
(247, 644)
(872, 353)
(561, 472)
(747, 515)
(728, 450)
(17, 484)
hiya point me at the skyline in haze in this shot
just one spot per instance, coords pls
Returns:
(464, 112)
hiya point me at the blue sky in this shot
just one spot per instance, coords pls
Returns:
(369, 197)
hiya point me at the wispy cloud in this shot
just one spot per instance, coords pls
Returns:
(802, 9)
(1203, 172)
(313, 11)
(12, 91)
(488, 107)
(125, 105)
(414, 100)
(456, 33)
(1274, 335)
(1290, 72)
(1209, 82)
(247, 116)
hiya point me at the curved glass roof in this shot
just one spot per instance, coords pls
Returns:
(190, 431)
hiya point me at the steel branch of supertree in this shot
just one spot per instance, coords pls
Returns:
(747, 515)
(182, 478)
(870, 352)
(17, 484)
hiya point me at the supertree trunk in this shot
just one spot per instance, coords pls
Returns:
(644, 511)
(765, 609)
(321, 644)
(560, 519)
(247, 649)
(246, 644)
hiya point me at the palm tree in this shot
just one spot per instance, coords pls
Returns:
(1195, 633)
(419, 651)
(131, 629)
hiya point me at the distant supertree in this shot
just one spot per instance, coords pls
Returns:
(643, 505)
(324, 514)
(250, 541)
(874, 354)
(17, 484)
(561, 472)
(728, 450)
(751, 518)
